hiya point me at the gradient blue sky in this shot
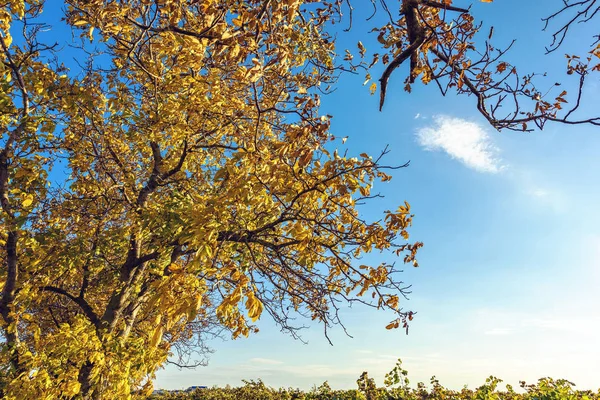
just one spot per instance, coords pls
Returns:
(509, 275)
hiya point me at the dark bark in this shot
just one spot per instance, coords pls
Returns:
(88, 390)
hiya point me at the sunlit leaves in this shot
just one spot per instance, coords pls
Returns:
(199, 189)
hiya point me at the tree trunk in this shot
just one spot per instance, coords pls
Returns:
(89, 391)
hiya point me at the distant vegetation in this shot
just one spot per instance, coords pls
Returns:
(396, 387)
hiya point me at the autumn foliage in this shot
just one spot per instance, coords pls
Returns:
(178, 177)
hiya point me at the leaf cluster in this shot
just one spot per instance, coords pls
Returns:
(194, 191)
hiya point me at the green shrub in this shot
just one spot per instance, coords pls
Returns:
(396, 387)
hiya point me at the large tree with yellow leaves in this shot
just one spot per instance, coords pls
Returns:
(197, 186)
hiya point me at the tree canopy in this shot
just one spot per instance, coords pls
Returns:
(180, 179)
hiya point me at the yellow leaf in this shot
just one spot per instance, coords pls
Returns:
(254, 306)
(373, 88)
(73, 387)
(174, 268)
(27, 201)
(156, 336)
(361, 49)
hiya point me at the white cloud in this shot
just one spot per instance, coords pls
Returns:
(265, 361)
(319, 371)
(462, 140)
(548, 197)
(576, 325)
(538, 192)
(498, 331)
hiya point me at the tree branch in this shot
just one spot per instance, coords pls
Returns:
(83, 305)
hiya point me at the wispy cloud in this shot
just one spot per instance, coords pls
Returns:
(538, 192)
(543, 194)
(462, 140)
(498, 331)
(268, 361)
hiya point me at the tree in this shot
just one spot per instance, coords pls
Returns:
(440, 40)
(178, 179)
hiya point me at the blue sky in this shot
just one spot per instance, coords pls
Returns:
(511, 264)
